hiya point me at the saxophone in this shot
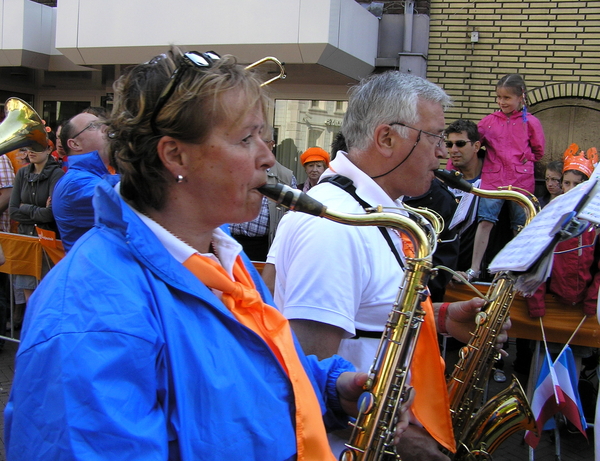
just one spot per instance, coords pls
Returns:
(478, 433)
(385, 388)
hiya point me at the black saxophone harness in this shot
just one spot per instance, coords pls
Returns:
(347, 185)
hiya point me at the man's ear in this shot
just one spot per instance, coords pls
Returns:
(73, 145)
(171, 155)
(385, 140)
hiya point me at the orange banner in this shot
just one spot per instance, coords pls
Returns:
(23, 255)
(53, 248)
(560, 320)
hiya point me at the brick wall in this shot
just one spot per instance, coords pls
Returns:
(555, 45)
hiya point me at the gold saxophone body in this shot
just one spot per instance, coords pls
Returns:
(385, 389)
(479, 431)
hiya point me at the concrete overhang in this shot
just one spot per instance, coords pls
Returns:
(27, 37)
(337, 36)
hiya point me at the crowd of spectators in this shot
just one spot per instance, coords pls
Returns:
(54, 190)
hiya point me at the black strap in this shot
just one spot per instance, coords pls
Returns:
(367, 334)
(346, 184)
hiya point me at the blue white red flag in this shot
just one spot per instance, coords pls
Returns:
(556, 391)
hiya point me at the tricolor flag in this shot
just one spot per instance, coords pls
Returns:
(556, 391)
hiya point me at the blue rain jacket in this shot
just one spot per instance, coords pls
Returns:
(72, 196)
(126, 355)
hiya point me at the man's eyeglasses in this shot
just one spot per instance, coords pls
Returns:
(191, 59)
(460, 143)
(438, 139)
(95, 125)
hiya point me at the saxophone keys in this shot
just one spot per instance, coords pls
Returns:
(366, 402)
(481, 318)
(464, 352)
(348, 455)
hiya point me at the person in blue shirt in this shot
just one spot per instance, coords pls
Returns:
(83, 138)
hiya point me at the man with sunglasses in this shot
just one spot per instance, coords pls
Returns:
(464, 151)
(441, 200)
(84, 139)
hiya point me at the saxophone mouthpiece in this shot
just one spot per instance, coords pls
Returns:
(454, 179)
(293, 199)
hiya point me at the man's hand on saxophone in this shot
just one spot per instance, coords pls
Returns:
(458, 320)
(350, 387)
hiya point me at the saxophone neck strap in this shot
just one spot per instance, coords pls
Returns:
(347, 185)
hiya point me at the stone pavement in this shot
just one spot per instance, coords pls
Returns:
(573, 447)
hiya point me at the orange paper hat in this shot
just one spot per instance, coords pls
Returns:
(572, 150)
(574, 160)
(592, 155)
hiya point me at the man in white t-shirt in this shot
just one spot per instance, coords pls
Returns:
(337, 283)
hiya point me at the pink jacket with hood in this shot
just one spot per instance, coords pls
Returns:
(512, 146)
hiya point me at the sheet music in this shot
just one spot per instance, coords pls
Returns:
(462, 211)
(591, 210)
(532, 242)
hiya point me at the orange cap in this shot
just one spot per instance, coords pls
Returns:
(315, 154)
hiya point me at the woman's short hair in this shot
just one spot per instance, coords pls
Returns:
(190, 113)
(580, 174)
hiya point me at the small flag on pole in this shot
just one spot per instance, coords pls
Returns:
(556, 391)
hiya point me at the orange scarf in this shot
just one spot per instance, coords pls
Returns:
(431, 405)
(244, 302)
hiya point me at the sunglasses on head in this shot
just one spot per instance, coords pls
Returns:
(459, 144)
(188, 60)
(195, 59)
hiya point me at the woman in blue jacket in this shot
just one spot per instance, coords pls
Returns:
(151, 339)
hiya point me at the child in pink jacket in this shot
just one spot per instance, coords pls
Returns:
(514, 140)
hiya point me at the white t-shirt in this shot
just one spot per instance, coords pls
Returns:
(339, 274)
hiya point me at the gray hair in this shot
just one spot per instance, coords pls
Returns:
(386, 98)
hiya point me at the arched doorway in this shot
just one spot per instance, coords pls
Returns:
(566, 121)
(570, 113)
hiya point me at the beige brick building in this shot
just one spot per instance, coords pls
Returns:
(554, 45)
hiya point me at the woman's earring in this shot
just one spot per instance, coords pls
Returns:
(180, 179)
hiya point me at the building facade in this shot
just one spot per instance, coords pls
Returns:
(552, 44)
(64, 55)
